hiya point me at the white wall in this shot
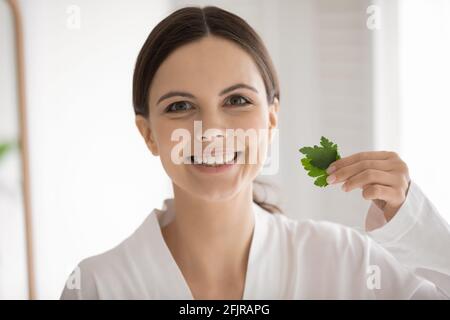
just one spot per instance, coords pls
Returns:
(93, 180)
(424, 95)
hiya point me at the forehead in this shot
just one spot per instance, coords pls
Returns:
(205, 67)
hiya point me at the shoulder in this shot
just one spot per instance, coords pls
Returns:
(123, 253)
(310, 228)
(318, 237)
(116, 267)
(319, 258)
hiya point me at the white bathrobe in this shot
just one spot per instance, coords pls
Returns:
(406, 258)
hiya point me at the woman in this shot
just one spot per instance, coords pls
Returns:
(213, 240)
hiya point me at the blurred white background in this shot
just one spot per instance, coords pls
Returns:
(369, 75)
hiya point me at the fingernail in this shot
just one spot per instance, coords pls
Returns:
(331, 178)
(344, 187)
(331, 169)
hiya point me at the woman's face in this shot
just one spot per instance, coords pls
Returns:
(199, 75)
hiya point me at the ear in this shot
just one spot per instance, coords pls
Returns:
(143, 125)
(273, 117)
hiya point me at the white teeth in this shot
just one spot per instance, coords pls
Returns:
(215, 160)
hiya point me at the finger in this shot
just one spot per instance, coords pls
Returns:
(371, 176)
(381, 192)
(369, 155)
(349, 171)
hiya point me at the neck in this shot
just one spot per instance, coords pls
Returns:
(212, 236)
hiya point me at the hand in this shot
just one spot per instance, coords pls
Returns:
(382, 176)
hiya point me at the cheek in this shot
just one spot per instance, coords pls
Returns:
(168, 137)
(256, 119)
(258, 122)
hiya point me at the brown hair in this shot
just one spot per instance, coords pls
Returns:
(190, 24)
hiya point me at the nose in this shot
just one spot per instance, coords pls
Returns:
(211, 131)
(210, 134)
(210, 125)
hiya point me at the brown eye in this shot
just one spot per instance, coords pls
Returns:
(238, 101)
(179, 106)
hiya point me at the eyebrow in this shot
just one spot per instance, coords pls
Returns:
(189, 95)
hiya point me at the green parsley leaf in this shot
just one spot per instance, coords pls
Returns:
(318, 159)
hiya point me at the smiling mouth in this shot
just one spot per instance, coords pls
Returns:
(225, 159)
